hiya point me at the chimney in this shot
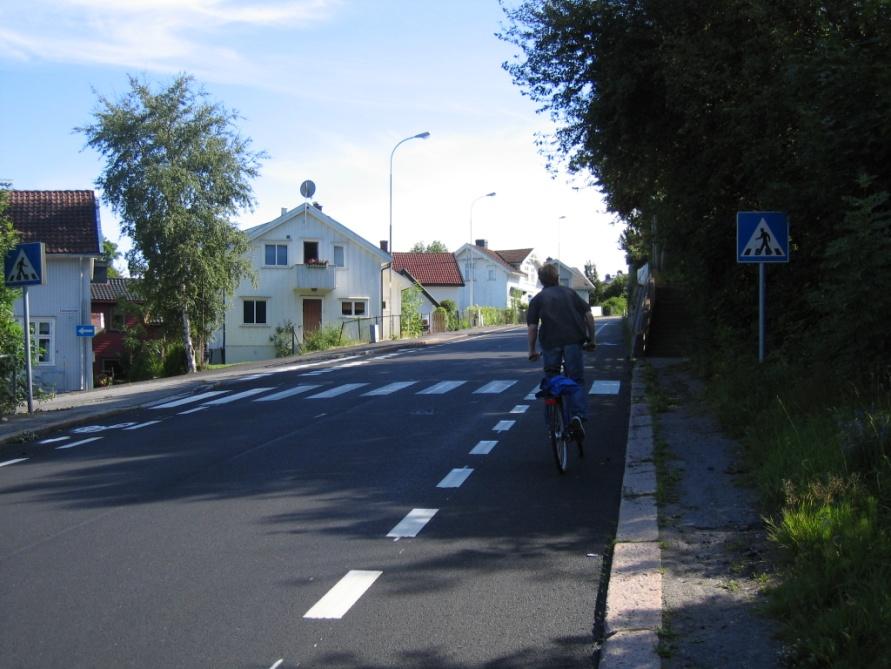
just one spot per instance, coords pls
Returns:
(317, 206)
(284, 211)
(482, 243)
(384, 245)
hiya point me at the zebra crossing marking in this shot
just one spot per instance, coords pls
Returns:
(290, 392)
(389, 388)
(189, 400)
(483, 447)
(237, 396)
(494, 387)
(336, 390)
(441, 388)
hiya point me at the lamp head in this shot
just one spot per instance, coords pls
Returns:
(422, 135)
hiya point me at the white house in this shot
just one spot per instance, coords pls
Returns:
(311, 272)
(67, 222)
(497, 278)
(572, 277)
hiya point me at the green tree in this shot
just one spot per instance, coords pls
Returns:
(176, 171)
(411, 324)
(617, 287)
(433, 247)
(595, 296)
(110, 255)
(12, 346)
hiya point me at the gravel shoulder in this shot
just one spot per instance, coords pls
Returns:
(715, 556)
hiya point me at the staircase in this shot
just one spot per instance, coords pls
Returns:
(669, 325)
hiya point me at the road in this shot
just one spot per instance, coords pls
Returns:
(399, 510)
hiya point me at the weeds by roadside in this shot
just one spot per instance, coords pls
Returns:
(820, 455)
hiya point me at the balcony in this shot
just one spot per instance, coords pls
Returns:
(315, 278)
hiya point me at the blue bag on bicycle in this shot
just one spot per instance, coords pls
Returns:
(555, 386)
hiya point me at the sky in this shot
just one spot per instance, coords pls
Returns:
(327, 88)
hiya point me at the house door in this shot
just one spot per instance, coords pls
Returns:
(312, 315)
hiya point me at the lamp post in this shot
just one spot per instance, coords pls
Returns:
(559, 233)
(420, 135)
(472, 245)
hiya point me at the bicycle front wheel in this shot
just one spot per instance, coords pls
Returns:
(556, 433)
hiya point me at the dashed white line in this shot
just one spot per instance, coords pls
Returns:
(413, 523)
(296, 390)
(12, 462)
(455, 478)
(342, 596)
(483, 448)
(77, 443)
(195, 410)
(503, 425)
(520, 408)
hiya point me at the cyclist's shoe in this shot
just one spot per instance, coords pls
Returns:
(576, 429)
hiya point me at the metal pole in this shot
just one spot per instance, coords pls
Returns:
(761, 291)
(27, 310)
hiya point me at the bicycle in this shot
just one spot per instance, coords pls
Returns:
(555, 391)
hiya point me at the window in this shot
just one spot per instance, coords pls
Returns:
(338, 256)
(491, 275)
(42, 340)
(310, 251)
(353, 307)
(277, 254)
(255, 312)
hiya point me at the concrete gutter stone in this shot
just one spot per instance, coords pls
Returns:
(634, 593)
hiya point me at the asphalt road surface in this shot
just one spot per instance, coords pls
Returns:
(401, 510)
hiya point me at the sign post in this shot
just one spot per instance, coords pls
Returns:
(25, 266)
(762, 237)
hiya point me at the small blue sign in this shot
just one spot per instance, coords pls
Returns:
(85, 330)
(24, 265)
(762, 236)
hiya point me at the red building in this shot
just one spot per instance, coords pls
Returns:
(110, 319)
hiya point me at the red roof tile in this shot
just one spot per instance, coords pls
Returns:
(430, 269)
(66, 221)
(116, 288)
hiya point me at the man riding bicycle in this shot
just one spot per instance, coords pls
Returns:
(567, 327)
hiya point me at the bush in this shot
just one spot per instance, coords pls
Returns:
(284, 340)
(615, 306)
(174, 361)
(323, 339)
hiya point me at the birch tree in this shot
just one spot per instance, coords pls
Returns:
(176, 172)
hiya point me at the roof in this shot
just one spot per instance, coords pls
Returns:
(498, 258)
(118, 288)
(514, 257)
(430, 269)
(66, 221)
(305, 209)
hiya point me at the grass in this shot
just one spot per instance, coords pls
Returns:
(820, 455)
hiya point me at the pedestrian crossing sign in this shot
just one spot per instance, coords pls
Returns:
(762, 236)
(25, 265)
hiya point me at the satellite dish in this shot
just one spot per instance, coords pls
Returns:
(307, 189)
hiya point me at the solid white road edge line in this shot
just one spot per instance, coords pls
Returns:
(413, 523)
(342, 596)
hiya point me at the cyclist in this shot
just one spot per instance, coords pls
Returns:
(567, 326)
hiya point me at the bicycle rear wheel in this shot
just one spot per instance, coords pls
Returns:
(557, 436)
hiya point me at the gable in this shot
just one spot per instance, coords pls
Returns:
(296, 215)
(66, 221)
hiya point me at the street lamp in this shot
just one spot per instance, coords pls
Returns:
(420, 135)
(559, 232)
(473, 244)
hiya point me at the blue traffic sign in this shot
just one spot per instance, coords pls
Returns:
(25, 265)
(85, 330)
(762, 236)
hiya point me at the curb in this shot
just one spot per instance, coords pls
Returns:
(634, 596)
